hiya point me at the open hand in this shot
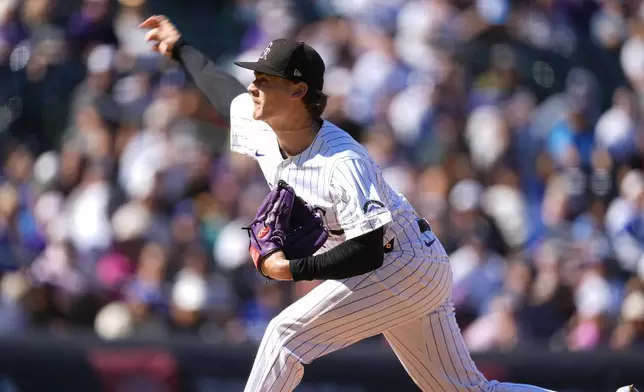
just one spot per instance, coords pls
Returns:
(162, 33)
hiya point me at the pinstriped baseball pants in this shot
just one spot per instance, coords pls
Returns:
(407, 301)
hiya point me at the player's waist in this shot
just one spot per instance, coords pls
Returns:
(397, 230)
(418, 225)
(387, 247)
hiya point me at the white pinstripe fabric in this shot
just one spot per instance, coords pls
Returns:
(406, 299)
(339, 313)
(434, 354)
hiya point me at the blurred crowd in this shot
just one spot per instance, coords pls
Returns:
(121, 208)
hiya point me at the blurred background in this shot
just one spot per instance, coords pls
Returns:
(514, 126)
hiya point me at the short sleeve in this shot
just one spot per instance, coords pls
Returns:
(247, 135)
(359, 202)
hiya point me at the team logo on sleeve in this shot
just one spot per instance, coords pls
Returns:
(372, 207)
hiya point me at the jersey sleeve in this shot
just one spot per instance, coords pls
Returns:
(217, 85)
(359, 202)
(247, 135)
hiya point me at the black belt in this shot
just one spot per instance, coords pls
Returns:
(423, 226)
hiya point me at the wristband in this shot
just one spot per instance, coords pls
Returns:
(176, 55)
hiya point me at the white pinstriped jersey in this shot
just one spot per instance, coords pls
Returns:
(336, 174)
(408, 299)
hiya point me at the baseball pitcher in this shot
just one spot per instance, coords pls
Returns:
(331, 216)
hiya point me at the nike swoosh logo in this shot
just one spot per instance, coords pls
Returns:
(430, 243)
(258, 154)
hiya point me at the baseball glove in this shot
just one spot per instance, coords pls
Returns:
(284, 221)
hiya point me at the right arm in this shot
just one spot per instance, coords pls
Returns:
(218, 86)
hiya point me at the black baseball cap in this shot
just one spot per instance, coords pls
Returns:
(292, 60)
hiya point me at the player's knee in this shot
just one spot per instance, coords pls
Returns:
(282, 330)
(278, 328)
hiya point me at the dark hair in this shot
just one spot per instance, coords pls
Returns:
(315, 102)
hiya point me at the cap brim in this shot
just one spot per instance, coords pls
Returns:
(258, 67)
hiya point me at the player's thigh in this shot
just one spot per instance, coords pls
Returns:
(433, 351)
(338, 313)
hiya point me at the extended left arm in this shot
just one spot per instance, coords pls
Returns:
(353, 257)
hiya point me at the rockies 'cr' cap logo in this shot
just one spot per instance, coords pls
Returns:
(266, 51)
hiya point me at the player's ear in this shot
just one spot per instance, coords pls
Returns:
(300, 90)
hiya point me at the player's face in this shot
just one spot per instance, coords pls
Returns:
(272, 96)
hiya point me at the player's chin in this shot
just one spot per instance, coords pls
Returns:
(258, 113)
(262, 115)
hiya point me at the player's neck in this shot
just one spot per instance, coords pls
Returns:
(296, 136)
